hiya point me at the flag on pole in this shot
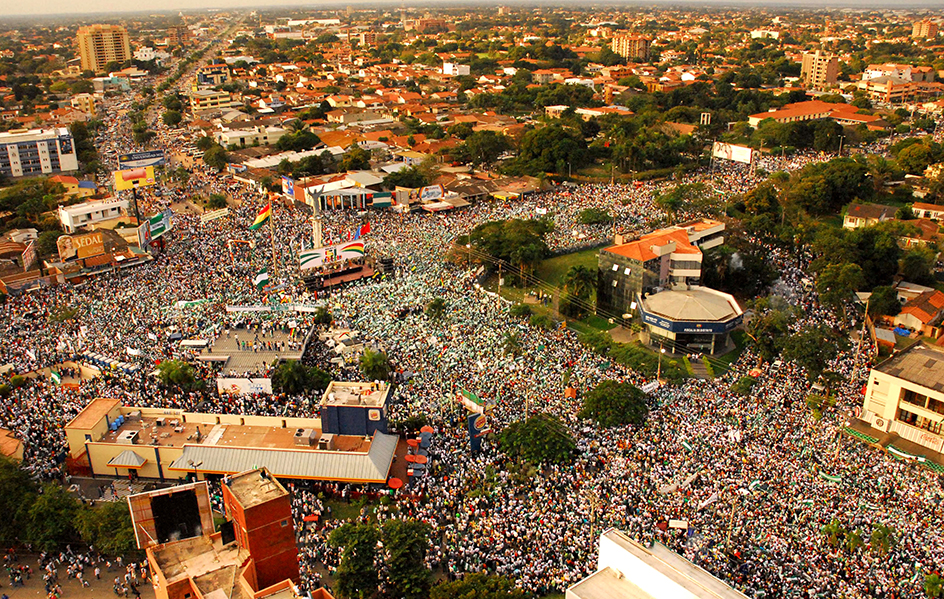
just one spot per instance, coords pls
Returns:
(262, 217)
(364, 229)
(261, 279)
(56, 377)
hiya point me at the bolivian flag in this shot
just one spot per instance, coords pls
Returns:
(264, 215)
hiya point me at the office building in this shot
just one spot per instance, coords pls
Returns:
(101, 44)
(213, 74)
(253, 556)
(924, 29)
(667, 258)
(84, 102)
(178, 34)
(631, 47)
(32, 152)
(905, 399)
(627, 569)
(208, 99)
(697, 318)
(90, 213)
(819, 69)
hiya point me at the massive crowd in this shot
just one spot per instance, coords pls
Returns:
(749, 488)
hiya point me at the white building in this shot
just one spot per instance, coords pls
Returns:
(759, 34)
(248, 137)
(905, 396)
(146, 54)
(629, 570)
(37, 152)
(89, 213)
(453, 69)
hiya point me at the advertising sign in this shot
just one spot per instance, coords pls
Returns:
(29, 256)
(243, 386)
(333, 253)
(80, 246)
(144, 236)
(288, 187)
(432, 193)
(141, 159)
(161, 223)
(692, 327)
(134, 177)
(732, 152)
(213, 215)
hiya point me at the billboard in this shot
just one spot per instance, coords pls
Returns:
(141, 159)
(288, 187)
(213, 215)
(80, 246)
(332, 253)
(732, 152)
(432, 193)
(134, 177)
(243, 386)
(179, 512)
(144, 235)
(161, 223)
(29, 256)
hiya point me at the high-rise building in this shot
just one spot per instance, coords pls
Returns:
(633, 47)
(178, 34)
(924, 29)
(37, 152)
(100, 44)
(819, 69)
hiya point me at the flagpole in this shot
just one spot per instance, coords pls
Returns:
(275, 269)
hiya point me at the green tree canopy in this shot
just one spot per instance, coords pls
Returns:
(108, 527)
(295, 378)
(812, 349)
(540, 439)
(357, 575)
(612, 403)
(517, 242)
(406, 543)
(375, 365)
(478, 586)
(410, 177)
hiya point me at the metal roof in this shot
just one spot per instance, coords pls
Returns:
(920, 363)
(372, 466)
(126, 459)
(695, 303)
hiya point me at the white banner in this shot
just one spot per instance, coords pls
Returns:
(239, 386)
(213, 215)
(732, 152)
(332, 253)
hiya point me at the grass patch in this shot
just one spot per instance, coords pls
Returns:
(342, 510)
(688, 366)
(552, 270)
(720, 364)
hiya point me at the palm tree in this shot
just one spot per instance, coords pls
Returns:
(881, 170)
(835, 532)
(291, 377)
(580, 282)
(882, 539)
(375, 365)
(513, 344)
(297, 125)
(436, 309)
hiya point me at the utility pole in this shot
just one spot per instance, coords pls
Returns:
(855, 364)
(734, 506)
(659, 370)
(841, 139)
(275, 268)
(499, 279)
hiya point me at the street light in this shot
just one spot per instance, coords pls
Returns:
(659, 370)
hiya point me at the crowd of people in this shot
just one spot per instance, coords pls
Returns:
(749, 488)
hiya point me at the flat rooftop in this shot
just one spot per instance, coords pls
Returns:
(237, 361)
(698, 304)
(254, 488)
(176, 433)
(373, 395)
(93, 413)
(197, 556)
(920, 364)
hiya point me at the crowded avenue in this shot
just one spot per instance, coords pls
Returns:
(539, 528)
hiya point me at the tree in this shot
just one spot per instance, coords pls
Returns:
(50, 518)
(579, 283)
(322, 316)
(882, 539)
(295, 378)
(297, 141)
(436, 309)
(812, 349)
(478, 586)
(551, 149)
(17, 493)
(767, 328)
(216, 201)
(215, 157)
(205, 142)
(540, 439)
(835, 533)
(594, 216)
(174, 373)
(357, 575)
(884, 301)
(612, 404)
(934, 586)
(512, 344)
(107, 526)
(743, 385)
(375, 365)
(171, 118)
(484, 147)
(406, 543)
(917, 264)
(915, 159)
(410, 177)
(518, 242)
(837, 283)
(356, 158)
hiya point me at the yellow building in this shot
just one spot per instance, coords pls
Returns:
(633, 47)
(206, 99)
(905, 397)
(924, 29)
(819, 69)
(100, 44)
(84, 102)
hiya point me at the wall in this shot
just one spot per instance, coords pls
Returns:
(101, 453)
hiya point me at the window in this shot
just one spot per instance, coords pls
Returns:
(284, 523)
(615, 267)
(615, 283)
(626, 272)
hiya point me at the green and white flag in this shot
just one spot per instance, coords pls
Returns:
(687, 445)
(262, 279)
(56, 377)
(473, 402)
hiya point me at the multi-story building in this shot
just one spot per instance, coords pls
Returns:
(208, 99)
(84, 102)
(178, 34)
(455, 70)
(76, 216)
(258, 135)
(905, 396)
(819, 69)
(101, 44)
(37, 152)
(924, 29)
(667, 258)
(213, 75)
(632, 47)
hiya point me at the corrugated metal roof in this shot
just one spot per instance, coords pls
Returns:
(372, 466)
(126, 459)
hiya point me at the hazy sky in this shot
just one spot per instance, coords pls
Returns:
(10, 8)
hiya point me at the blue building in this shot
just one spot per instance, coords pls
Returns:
(33, 152)
(354, 408)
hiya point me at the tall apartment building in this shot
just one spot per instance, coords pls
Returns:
(924, 29)
(178, 34)
(632, 47)
(819, 69)
(37, 152)
(100, 44)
